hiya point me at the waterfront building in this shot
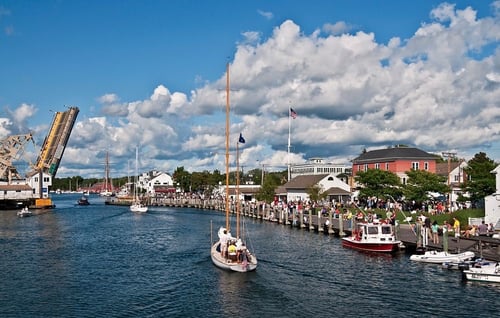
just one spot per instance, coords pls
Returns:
(455, 177)
(318, 166)
(296, 189)
(492, 203)
(397, 159)
(156, 183)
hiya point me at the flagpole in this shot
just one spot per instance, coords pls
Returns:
(288, 156)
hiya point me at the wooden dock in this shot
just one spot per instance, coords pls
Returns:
(485, 247)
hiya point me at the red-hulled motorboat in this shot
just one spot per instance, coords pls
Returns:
(372, 237)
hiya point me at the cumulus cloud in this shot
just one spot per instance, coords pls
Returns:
(437, 90)
(337, 28)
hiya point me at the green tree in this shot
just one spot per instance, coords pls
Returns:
(316, 193)
(481, 182)
(267, 191)
(378, 183)
(182, 178)
(421, 182)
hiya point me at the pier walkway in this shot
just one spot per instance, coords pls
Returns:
(326, 223)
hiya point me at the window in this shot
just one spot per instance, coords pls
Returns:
(366, 167)
(414, 165)
(426, 165)
(372, 230)
(377, 166)
(387, 166)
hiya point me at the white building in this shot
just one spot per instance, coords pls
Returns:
(492, 202)
(297, 188)
(318, 166)
(156, 182)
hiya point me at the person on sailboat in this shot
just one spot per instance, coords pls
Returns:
(223, 243)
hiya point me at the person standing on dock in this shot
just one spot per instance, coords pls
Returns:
(482, 229)
(456, 227)
(435, 232)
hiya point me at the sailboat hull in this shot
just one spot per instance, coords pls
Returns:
(229, 264)
(138, 208)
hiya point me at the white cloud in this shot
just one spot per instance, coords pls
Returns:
(350, 92)
(266, 14)
(337, 28)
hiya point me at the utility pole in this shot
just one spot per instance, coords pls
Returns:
(449, 155)
(262, 178)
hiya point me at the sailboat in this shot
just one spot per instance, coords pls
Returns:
(137, 205)
(106, 192)
(229, 252)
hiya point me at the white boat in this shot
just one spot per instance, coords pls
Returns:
(463, 265)
(436, 257)
(137, 206)
(231, 253)
(372, 237)
(489, 272)
(24, 212)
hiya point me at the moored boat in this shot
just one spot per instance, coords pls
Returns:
(437, 257)
(372, 237)
(462, 265)
(485, 273)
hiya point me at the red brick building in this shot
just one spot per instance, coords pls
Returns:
(397, 160)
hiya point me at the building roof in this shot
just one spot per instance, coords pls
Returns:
(15, 187)
(305, 181)
(392, 154)
(337, 191)
(442, 168)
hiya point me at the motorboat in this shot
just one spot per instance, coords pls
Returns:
(25, 212)
(372, 237)
(485, 273)
(83, 201)
(440, 257)
(462, 265)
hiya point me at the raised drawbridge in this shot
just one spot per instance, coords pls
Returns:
(54, 144)
(32, 190)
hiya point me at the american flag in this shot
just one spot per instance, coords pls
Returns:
(293, 113)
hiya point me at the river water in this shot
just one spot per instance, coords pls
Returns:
(105, 261)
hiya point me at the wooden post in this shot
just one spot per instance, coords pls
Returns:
(311, 226)
(341, 225)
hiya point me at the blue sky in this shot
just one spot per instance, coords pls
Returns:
(360, 74)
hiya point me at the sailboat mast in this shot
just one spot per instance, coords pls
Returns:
(237, 190)
(227, 147)
(136, 172)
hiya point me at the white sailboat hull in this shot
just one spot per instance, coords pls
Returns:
(139, 208)
(232, 264)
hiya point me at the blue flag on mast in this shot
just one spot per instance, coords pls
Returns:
(241, 140)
